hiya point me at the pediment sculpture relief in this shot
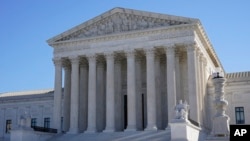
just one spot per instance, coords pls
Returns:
(120, 22)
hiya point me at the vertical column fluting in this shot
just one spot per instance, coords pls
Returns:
(110, 93)
(57, 94)
(131, 91)
(139, 112)
(74, 100)
(151, 97)
(198, 75)
(118, 96)
(100, 94)
(171, 82)
(201, 94)
(66, 104)
(158, 92)
(204, 91)
(83, 98)
(192, 82)
(177, 76)
(92, 94)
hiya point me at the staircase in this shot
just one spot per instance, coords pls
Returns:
(161, 135)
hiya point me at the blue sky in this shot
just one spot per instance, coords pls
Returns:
(25, 25)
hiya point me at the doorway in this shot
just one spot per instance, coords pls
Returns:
(143, 106)
(125, 103)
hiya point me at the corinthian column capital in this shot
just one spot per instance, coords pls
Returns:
(170, 49)
(74, 59)
(57, 61)
(149, 51)
(191, 47)
(91, 57)
(130, 53)
(109, 55)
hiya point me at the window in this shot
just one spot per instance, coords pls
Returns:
(239, 115)
(8, 126)
(33, 122)
(47, 122)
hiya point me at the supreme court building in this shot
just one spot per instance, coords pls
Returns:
(126, 70)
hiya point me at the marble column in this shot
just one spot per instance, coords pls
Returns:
(118, 96)
(203, 90)
(139, 112)
(66, 104)
(201, 94)
(83, 97)
(158, 92)
(177, 76)
(57, 95)
(163, 86)
(110, 94)
(192, 83)
(151, 97)
(131, 91)
(92, 94)
(171, 82)
(100, 94)
(199, 82)
(74, 100)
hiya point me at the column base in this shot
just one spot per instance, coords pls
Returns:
(109, 129)
(151, 128)
(73, 131)
(168, 128)
(90, 131)
(130, 128)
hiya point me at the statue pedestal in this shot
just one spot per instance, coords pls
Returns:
(212, 138)
(22, 135)
(220, 129)
(182, 130)
(221, 126)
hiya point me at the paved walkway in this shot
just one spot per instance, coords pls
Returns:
(116, 136)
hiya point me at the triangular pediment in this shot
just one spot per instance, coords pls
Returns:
(120, 20)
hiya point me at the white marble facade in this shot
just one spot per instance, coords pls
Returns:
(125, 70)
(38, 104)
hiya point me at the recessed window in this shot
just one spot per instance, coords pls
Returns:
(47, 122)
(8, 126)
(33, 122)
(239, 115)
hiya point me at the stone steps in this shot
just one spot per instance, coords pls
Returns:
(161, 135)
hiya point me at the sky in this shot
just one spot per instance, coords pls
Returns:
(25, 25)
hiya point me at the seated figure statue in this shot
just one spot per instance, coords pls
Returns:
(181, 111)
(25, 121)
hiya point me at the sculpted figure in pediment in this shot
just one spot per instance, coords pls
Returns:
(109, 27)
(133, 23)
(125, 23)
(117, 20)
(142, 23)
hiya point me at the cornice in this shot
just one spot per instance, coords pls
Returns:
(30, 98)
(208, 45)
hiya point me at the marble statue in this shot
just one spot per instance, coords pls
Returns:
(181, 110)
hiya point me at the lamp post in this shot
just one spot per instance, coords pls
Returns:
(220, 120)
